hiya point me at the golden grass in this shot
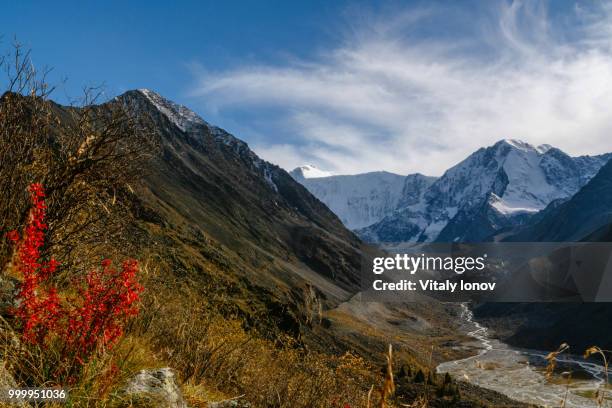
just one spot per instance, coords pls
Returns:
(214, 352)
(387, 389)
(551, 359)
(601, 391)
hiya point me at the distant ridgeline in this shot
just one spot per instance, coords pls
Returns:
(496, 190)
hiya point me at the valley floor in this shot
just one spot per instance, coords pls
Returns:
(518, 373)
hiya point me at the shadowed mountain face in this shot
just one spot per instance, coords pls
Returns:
(280, 242)
(213, 180)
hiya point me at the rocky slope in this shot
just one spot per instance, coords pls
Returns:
(211, 182)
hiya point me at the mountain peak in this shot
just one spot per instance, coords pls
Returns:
(180, 115)
(308, 171)
(524, 146)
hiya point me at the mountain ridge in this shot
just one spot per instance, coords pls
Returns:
(208, 178)
(495, 187)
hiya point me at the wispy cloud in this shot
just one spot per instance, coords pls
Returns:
(392, 97)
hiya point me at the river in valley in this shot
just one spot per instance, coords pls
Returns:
(519, 373)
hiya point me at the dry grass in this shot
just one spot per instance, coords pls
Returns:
(420, 402)
(217, 352)
(551, 359)
(601, 393)
(215, 356)
(100, 380)
(387, 389)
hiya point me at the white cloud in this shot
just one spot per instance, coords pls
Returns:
(387, 99)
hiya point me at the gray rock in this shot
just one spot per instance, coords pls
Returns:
(156, 388)
(9, 287)
(230, 403)
(7, 381)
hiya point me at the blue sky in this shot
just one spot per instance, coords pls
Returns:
(131, 44)
(348, 86)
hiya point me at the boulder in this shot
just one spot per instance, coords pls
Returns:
(156, 388)
(230, 403)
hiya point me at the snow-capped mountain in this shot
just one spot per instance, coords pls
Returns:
(495, 187)
(308, 171)
(363, 199)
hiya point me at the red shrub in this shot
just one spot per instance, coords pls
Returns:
(93, 319)
(107, 300)
(38, 309)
